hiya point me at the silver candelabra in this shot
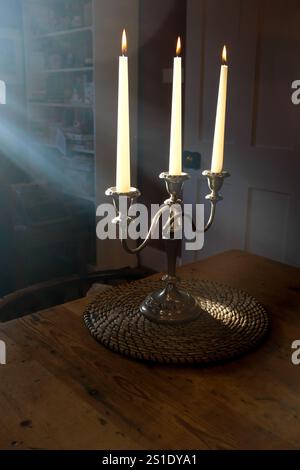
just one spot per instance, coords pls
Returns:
(171, 304)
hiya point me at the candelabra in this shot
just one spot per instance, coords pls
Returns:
(171, 304)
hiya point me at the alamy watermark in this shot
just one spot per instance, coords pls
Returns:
(295, 358)
(175, 221)
(2, 353)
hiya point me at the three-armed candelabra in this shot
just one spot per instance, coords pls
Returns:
(171, 304)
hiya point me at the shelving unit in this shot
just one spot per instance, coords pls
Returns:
(59, 55)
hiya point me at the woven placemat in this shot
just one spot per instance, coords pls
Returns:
(232, 323)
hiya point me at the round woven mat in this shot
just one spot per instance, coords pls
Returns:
(233, 323)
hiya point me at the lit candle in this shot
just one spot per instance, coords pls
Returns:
(175, 164)
(123, 142)
(218, 146)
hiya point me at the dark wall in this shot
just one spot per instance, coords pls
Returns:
(159, 28)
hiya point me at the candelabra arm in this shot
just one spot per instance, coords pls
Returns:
(145, 242)
(123, 220)
(213, 206)
(215, 183)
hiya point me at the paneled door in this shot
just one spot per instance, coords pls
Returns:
(260, 211)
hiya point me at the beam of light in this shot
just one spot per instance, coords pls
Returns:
(19, 145)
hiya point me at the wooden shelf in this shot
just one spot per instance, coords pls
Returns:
(69, 70)
(64, 32)
(61, 105)
(86, 151)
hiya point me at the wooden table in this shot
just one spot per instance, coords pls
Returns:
(62, 390)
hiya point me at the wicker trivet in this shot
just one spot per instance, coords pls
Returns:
(233, 323)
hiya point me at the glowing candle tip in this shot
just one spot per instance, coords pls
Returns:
(178, 47)
(224, 55)
(124, 43)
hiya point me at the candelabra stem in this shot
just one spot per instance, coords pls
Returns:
(171, 304)
(172, 247)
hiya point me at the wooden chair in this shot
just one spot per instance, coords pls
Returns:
(45, 295)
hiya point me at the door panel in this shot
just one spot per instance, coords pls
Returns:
(264, 235)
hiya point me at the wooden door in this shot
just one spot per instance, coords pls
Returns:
(260, 211)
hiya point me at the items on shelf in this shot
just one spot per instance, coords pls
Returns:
(61, 15)
(68, 140)
(69, 89)
(69, 51)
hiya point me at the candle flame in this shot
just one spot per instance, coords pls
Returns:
(178, 47)
(224, 55)
(124, 43)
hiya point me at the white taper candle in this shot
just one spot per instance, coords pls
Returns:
(175, 163)
(218, 145)
(123, 142)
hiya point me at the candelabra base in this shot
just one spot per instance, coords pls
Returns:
(170, 305)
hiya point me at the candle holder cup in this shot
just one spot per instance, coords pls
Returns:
(130, 196)
(171, 304)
